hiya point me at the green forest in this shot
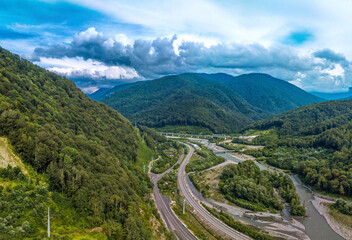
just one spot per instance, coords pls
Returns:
(204, 159)
(313, 141)
(185, 100)
(247, 186)
(87, 151)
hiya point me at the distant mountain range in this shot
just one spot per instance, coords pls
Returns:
(265, 92)
(210, 102)
(334, 96)
(105, 92)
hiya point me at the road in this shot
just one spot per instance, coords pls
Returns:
(163, 205)
(195, 203)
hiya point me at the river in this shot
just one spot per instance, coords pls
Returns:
(316, 225)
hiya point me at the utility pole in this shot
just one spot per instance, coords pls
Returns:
(48, 222)
(184, 206)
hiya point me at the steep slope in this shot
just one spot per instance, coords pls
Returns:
(185, 99)
(86, 149)
(312, 119)
(98, 95)
(313, 141)
(265, 92)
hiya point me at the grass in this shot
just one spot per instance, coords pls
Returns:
(340, 218)
(194, 224)
(247, 230)
(189, 219)
(207, 183)
(144, 154)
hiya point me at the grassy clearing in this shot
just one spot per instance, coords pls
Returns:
(189, 219)
(194, 224)
(341, 218)
(144, 154)
(207, 183)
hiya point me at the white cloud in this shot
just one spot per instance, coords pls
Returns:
(251, 21)
(89, 90)
(78, 67)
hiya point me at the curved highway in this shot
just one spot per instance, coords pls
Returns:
(163, 205)
(195, 203)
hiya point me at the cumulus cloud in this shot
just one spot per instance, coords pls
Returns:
(120, 57)
(79, 68)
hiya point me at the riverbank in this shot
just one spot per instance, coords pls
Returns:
(274, 223)
(321, 205)
(316, 226)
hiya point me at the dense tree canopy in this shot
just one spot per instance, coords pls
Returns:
(245, 181)
(87, 149)
(314, 141)
(184, 100)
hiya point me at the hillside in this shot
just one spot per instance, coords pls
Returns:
(265, 92)
(105, 92)
(313, 141)
(313, 119)
(87, 152)
(333, 96)
(185, 100)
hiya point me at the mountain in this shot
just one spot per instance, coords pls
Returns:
(310, 120)
(185, 100)
(105, 92)
(314, 142)
(99, 94)
(333, 96)
(82, 151)
(265, 92)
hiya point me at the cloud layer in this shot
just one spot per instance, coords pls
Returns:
(93, 55)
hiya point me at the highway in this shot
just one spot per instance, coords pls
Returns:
(163, 205)
(195, 203)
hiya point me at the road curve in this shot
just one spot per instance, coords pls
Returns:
(195, 203)
(163, 205)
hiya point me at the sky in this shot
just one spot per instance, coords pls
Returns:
(101, 43)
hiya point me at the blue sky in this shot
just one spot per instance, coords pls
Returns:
(109, 41)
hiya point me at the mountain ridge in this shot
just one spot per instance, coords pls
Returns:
(218, 105)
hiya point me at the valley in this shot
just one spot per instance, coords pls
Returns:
(233, 181)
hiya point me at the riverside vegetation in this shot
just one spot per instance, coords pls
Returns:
(203, 159)
(247, 186)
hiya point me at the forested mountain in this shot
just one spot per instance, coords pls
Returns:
(99, 94)
(312, 119)
(105, 92)
(265, 92)
(314, 141)
(207, 102)
(87, 150)
(333, 96)
(185, 99)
